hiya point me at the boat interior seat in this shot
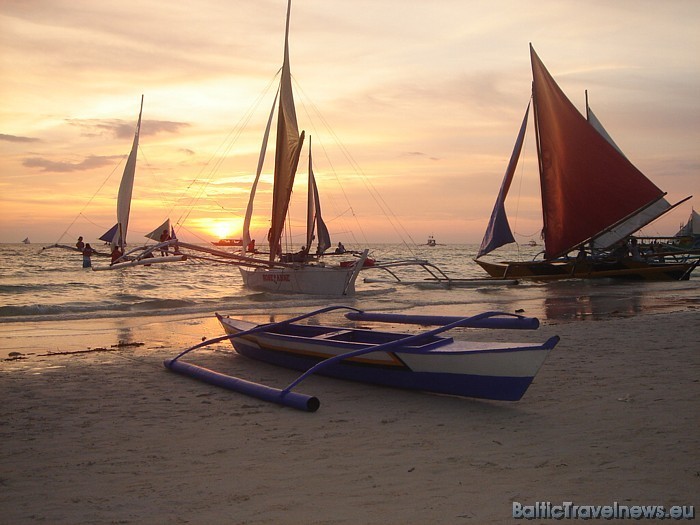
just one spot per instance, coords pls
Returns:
(332, 335)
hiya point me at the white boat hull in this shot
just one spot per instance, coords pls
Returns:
(318, 280)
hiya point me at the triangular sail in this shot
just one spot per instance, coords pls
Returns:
(289, 143)
(598, 125)
(314, 221)
(639, 219)
(110, 234)
(118, 232)
(498, 231)
(156, 234)
(692, 227)
(261, 162)
(587, 185)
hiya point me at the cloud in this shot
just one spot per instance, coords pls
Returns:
(15, 138)
(123, 129)
(91, 162)
(416, 154)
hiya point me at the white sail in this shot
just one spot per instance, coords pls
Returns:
(630, 225)
(593, 120)
(261, 161)
(116, 235)
(156, 234)
(692, 227)
(314, 222)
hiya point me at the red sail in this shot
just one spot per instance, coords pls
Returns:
(587, 185)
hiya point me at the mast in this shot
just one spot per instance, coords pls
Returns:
(314, 220)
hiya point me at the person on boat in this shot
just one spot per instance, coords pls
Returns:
(251, 246)
(620, 251)
(164, 237)
(634, 250)
(581, 255)
(340, 248)
(80, 244)
(88, 252)
(116, 254)
(300, 256)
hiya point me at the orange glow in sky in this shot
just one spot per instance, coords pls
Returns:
(413, 109)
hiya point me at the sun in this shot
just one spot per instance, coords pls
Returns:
(226, 229)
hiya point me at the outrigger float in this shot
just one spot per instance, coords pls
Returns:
(425, 361)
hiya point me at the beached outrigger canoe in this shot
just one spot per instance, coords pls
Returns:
(425, 361)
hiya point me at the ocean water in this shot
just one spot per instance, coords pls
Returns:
(44, 288)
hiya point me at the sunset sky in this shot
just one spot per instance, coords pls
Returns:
(412, 108)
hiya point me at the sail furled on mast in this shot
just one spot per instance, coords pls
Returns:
(315, 227)
(587, 185)
(498, 232)
(288, 149)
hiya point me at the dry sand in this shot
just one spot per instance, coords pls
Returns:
(111, 437)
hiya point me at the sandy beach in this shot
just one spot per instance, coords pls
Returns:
(110, 436)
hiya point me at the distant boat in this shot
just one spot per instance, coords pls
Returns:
(532, 242)
(228, 242)
(431, 241)
(26, 240)
(592, 197)
(690, 231)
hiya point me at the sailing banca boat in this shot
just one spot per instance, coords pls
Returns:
(301, 272)
(592, 197)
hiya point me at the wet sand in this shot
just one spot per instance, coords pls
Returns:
(110, 436)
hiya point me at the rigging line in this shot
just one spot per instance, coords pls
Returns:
(218, 158)
(92, 222)
(521, 177)
(376, 195)
(327, 156)
(92, 198)
(526, 234)
(342, 189)
(151, 170)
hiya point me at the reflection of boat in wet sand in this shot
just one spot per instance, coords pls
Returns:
(592, 197)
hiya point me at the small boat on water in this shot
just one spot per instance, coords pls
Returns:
(426, 361)
(431, 241)
(228, 242)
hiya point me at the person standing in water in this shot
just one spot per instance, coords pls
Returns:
(87, 254)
